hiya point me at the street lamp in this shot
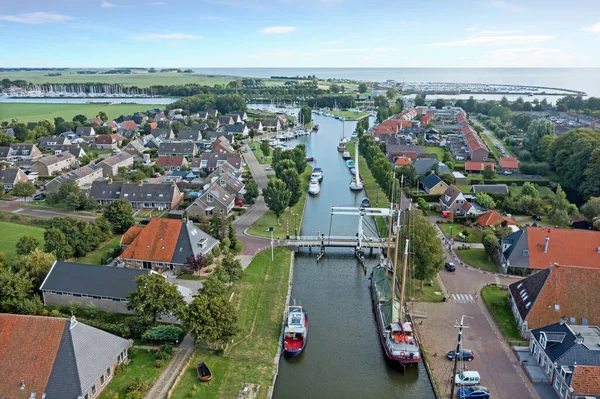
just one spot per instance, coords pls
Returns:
(295, 230)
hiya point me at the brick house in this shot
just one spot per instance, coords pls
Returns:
(453, 200)
(214, 200)
(141, 196)
(54, 164)
(509, 164)
(173, 148)
(432, 184)
(11, 176)
(105, 142)
(222, 146)
(476, 148)
(168, 162)
(110, 166)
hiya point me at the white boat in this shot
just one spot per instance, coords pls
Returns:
(356, 184)
(317, 174)
(346, 155)
(314, 187)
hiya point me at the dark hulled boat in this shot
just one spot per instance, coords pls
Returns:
(204, 373)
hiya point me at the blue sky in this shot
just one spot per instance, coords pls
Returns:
(300, 33)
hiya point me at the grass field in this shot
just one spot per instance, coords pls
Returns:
(491, 145)
(33, 112)
(11, 234)
(428, 293)
(260, 298)
(438, 151)
(475, 234)
(95, 257)
(545, 192)
(476, 257)
(142, 365)
(497, 301)
(260, 227)
(349, 115)
(259, 153)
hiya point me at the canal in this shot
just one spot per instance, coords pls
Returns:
(343, 357)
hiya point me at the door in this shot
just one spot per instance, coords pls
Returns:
(147, 265)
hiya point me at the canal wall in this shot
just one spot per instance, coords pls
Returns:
(283, 321)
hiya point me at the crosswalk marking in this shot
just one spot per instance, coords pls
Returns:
(463, 298)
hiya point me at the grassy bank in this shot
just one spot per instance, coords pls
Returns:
(142, 365)
(95, 257)
(372, 189)
(258, 153)
(260, 298)
(476, 257)
(497, 302)
(12, 232)
(349, 115)
(33, 112)
(261, 226)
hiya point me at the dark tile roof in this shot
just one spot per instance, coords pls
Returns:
(186, 148)
(431, 181)
(102, 190)
(235, 128)
(193, 135)
(555, 350)
(490, 188)
(526, 291)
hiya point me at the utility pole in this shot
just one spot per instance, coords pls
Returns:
(271, 229)
(456, 354)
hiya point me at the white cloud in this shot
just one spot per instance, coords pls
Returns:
(106, 4)
(166, 36)
(503, 5)
(494, 41)
(331, 42)
(530, 57)
(277, 29)
(497, 32)
(158, 3)
(359, 50)
(34, 18)
(593, 28)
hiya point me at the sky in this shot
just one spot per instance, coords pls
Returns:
(299, 33)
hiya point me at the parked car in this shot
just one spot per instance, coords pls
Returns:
(450, 266)
(536, 217)
(507, 172)
(474, 392)
(155, 175)
(239, 203)
(465, 354)
(39, 197)
(469, 378)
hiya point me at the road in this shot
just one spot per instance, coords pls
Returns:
(491, 136)
(494, 360)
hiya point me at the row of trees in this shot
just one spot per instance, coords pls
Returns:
(589, 106)
(68, 237)
(224, 103)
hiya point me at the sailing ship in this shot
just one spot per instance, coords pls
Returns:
(295, 331)
(355, 183)
(342, 145)
(393, 323)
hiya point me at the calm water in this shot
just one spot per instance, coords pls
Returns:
(343, 357)
(583, 79)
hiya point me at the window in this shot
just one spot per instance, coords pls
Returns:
(93, 389)
(108, 372)
(556, 307)
(556, 383)
(584, 321)
(102, 379)
(573, 320)
(87, 396)
(562, 390)
(526, 252)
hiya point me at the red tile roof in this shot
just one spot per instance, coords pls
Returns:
(28, 348)
(104, 139)
(169, 160)
(117, 138)
(131, 235)
(478, 166)
(156, 242)
(492, 217)
(97, 120)
(427, 118)
(586, 380)
(153, 125)
(403, 161)
(472, 139)
(509, 163)
(129, 125)
(565, 247)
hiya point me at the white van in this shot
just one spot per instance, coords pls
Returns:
(467, 378)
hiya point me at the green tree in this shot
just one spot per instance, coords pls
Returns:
(217, 226)
(334, 88)
(84, 160)
(231, 235)
(419, 100)
(37, 264)
(447, 157)
(233, 268)
(440, 103)
(214, 286)
(391, 93)
(559, 213)
(277, 196)
(381, 102)
(283, 165)
(305, 114)
(448, 178)
(102, 115)
(536, 130)
(55, 241)
(80, 118)
(362, 88)
(23, 189)
(485, 200)
(530, 189)
(591, 209)
(428, 255)
(155, 298)
(15, 288)
(48, 126)
(211, 319)
(488, 172)
(120, 215)
(265, 148)
(251, 192)
(292, 180)
(26, 245)
(490, 243)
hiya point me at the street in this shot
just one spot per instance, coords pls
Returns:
(493, 138)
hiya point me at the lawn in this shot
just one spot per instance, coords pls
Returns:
(497, 302)
(11, 234)
(33, 112)
(260, 298)
(95, 257)
(545, 192)
(261, 226)
(476, 257)
(491, 145)
(428, 293)
(349, 115)
(475, 234)
(438, 151)
(142, 365)
(258, 153)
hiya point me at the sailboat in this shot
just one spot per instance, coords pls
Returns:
(393, 323)
(342, 145)
(356, 184)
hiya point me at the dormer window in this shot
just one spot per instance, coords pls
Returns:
(543, 340)
(209, 198)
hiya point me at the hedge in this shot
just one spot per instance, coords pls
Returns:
(427, 197)
(509, 182)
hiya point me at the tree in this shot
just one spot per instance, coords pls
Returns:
(488, 172)
(559, 214)
(447, 157)
(391, 93)
(48, 126)
(530, 189)
(428, 255)
(84, 160)
(485, 200)
(23, 189)
(217, 225)
(292, 180)
(448, 178)
(102, 115)
(591, 209)
(120, 215)
(197, 262)
(334, 88)
(154, 298)
(233, 268)
(305, 114)
(419, 100)
(211, 319)
(26, 245)
(536, 130)
(490, 243)
(15, 288)
(80, 118)
(265, 148)
(440, 103)
(215, 286)
(56, 242)
(251, 192)
(277, 196)
(282, 165)
(37, 265)
(362, 88)
(231, 235)
(381, 102)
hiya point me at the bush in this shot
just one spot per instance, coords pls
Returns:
(137, 385)
(225, 243)
(166, 348)
(162, 334)
(209, 259)
(158, 363)
(132, 353)
(427, 197)
(217, 251)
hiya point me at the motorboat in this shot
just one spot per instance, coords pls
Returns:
(365, 203)
(317, 173)
(295, 331)
(346, 155)
(314, 187)
(350, 163)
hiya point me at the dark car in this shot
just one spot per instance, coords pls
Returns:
(145, 221)
(155, 175)
(39, 197)
(450, 266)
(477, 391)
(465, 354)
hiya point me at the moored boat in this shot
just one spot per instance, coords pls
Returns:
(346, 155)
(317, 173)
(315, 128)
(355, 183)
(350, 163)
(295, 331)
(204, 373)
(314, 187)
(341, 146)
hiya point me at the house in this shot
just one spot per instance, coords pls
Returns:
(110, 166)
(54, 164)
(119, 138)
(163, 134)
(107, 287)
(213, 136)
(235, 117)
(47, 142)
(272, 125)
(97, 121)
(402, 161)
(9, 132)
(85, 131)
(141, 196)
(237, 129)
(6, 154)
(509, 164)
(74, 149)
(172, 148)
(256, 125)
(211, 112)
(214, 200)
(112, 124)
(432, 184)
(424, 165)
(151, 141)
(492, 218)
(539, 247)
(476, 148)
(169, 162)
(228, 180)
(31, 125)
(499, 189)
(105, 142)
(208, 162)
(225, 120)
(199, 126)
(394, 150)
(164, 244)
(11, 176)
(478, 167)
(222, 146)
(239, 117)
(189, 135)
(453, 200)
(568, 354)
(83, 176)
(127, 133)
(56, 358)
(130, 124)
(135, 148)
(26, 152)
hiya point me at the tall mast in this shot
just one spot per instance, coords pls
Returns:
(356, 163)
(404, 262)
(387, 256)
(394, 271)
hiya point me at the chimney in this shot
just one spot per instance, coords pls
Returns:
(546, 244)
(563, 320)
(579, 339)
(141, 182)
